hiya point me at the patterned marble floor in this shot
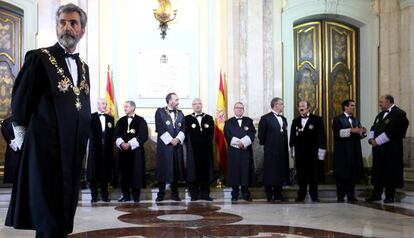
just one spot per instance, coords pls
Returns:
(223, 218)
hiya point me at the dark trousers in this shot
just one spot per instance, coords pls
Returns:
(303, 187)
(40, 234)
(244, 189)
(273, 192)
(379, 188)
(345, 187)
(199, 190)
(127, 174)
(99, 185)
(161, 189)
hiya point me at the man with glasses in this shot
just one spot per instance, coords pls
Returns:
(239, 132)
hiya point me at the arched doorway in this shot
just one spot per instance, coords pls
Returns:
(326, 69)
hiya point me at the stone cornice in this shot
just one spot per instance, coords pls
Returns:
(406, 3)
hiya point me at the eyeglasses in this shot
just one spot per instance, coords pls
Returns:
(239, 108)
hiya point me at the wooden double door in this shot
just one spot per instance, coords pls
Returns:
(326, 69)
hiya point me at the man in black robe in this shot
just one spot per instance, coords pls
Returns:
(308, 145)
(273, 136)
(199, 142)
(239, 132)
(347, 158)
(386, 138)
(51, 120)
(131, 132)
(170, 128)
(11, 157)
(100, 164)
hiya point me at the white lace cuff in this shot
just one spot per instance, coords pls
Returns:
(345, 133)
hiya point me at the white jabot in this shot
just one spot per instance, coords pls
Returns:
(239, 121)
(304, 120)
(103, 121)
(279, 119)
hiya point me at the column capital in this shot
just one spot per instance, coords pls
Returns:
(406, 3)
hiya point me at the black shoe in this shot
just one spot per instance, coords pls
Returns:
(105, 200)
(207, 199)
(372, 199)
(352, 199)
(136, 200)
(247, 199)
(389, 200)
(270, 199)
(234, 199)
(159, 199)
(94, 200)
(193, 199)
(340, 200)
(176, 198)
(124, 199)
(315, 200)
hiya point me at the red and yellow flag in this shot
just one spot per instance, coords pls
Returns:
(109, 96)
(220, 118)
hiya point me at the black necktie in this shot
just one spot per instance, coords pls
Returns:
(130, 117)
(73, 56)
(278, 115)
(199, 115)
(172, 111)
(101, 114)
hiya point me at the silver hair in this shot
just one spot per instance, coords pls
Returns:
(70, 7)
(102, 100)
(131, 103)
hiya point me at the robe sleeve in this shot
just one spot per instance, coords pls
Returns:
(262, 130)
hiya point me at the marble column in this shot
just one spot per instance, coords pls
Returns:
(407, 74)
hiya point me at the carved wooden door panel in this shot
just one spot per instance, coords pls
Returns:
(325, 70)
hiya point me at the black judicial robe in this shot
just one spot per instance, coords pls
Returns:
(307, 142)
(11, 158)
(170, 161)
(101, 163)
(240, 169)
(347, 158)
(199, 142)
(138, 128)
(387, 159)
(45, 194)
(276, 152)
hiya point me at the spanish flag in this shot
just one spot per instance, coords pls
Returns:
(109, 96)
(220, 118)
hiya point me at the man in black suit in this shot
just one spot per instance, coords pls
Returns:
(199, 141)
(273, 135)
(308, 145)
(347, 159)
(51, 122)
(11, 158)
(100, 166)
(386, 138)
(239, 132)
(131, 132)
(170, 128)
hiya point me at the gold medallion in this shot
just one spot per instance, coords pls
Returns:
(179, 124)
(206, 125)
(63, 85)
(387, 121)
(109, 125)
(78, 104)
(193, 125)
(246, 128)
(311, 127)
(167, 123)
(132, 131)
(76, 90)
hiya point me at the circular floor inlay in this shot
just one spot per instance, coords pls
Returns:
(180, 217)
(167, 208)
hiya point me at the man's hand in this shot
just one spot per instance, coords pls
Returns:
(356, 130)
(125, 146)
(175, 141)
(373, 142)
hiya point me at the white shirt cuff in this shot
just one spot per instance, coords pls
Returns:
(181, 136)
(166, 138)
(118, 142)
(371, 135)
(382, 139)
(13, 145)
(292, 152)
(234, 142)
(345, 133)
(321, 154)
(246, 141)
(133, 143)
(19, 133)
